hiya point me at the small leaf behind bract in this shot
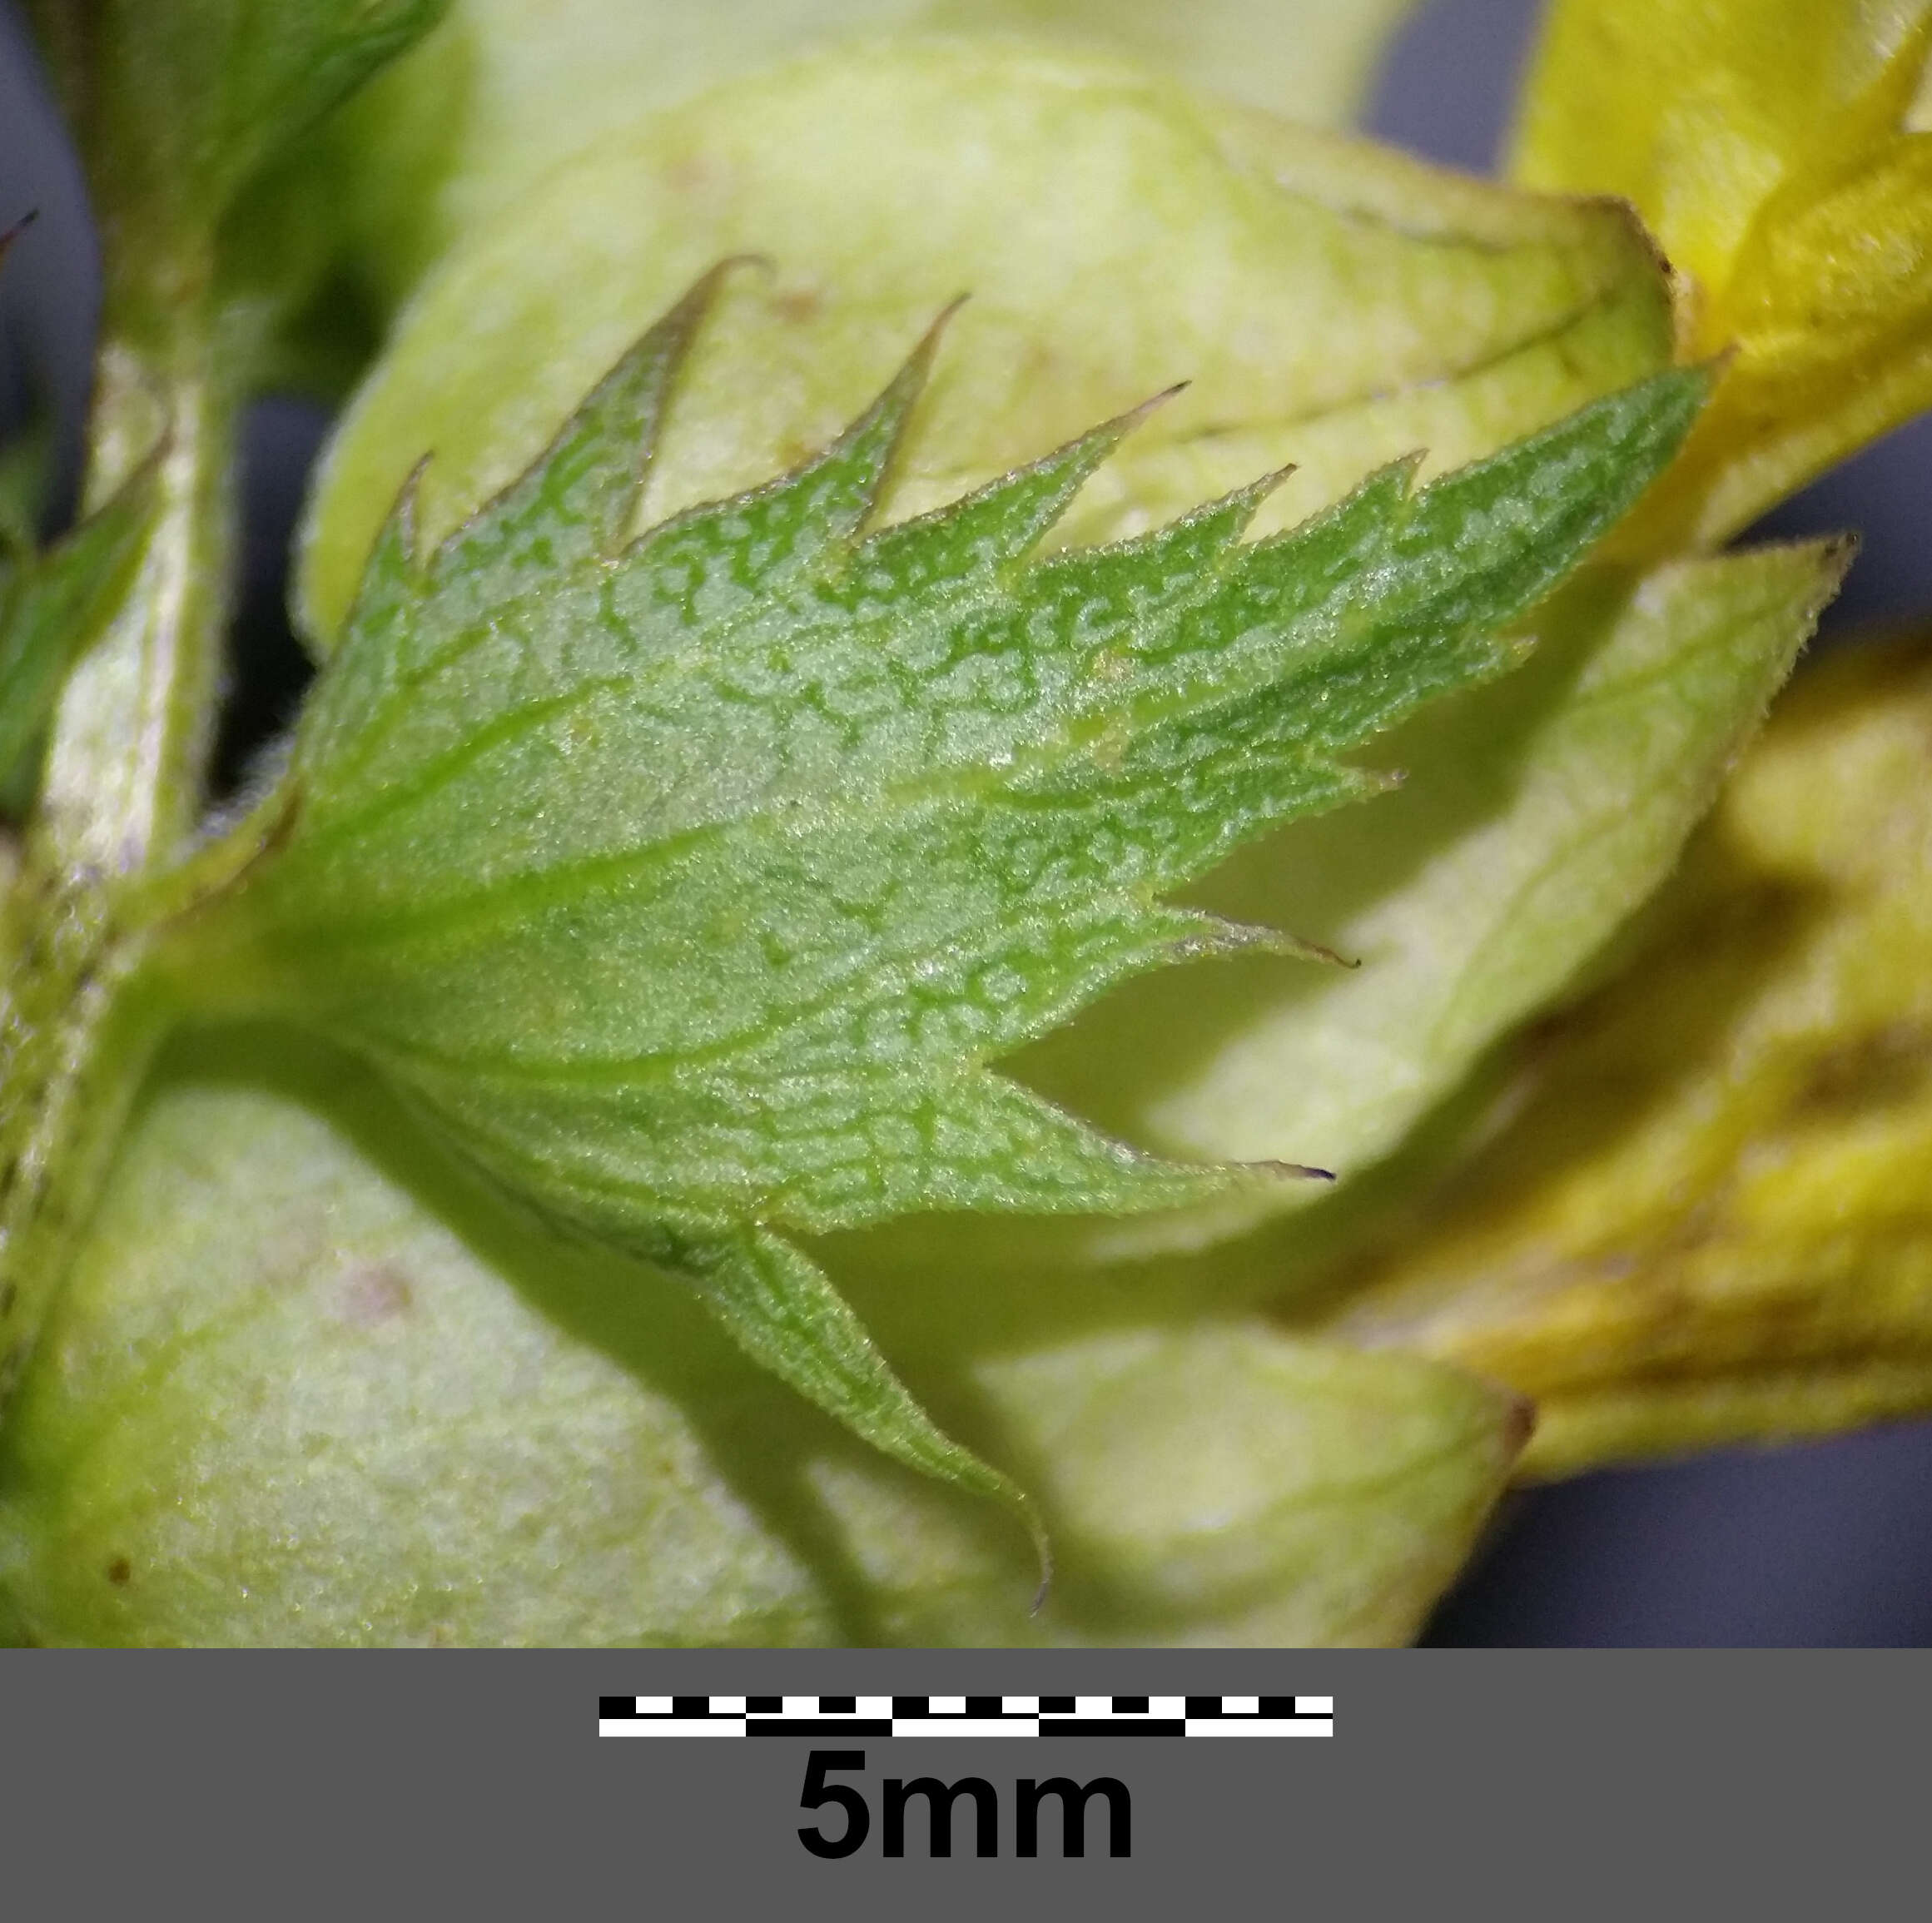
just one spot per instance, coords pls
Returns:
(26, 465)
(693, 884)
(175, 107)
(53, 603)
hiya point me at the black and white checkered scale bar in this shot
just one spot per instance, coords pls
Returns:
(824, 1716)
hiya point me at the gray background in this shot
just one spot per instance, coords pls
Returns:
(1825, 1544)
(1583, 1785)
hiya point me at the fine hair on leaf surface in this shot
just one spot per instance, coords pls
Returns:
(692, 881)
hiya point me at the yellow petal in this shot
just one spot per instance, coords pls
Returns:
(1768, 145)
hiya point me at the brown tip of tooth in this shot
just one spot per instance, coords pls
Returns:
(1519, 1425)
(1126, 423)
(1295, 1171)
(1321, 951)
(928, 343)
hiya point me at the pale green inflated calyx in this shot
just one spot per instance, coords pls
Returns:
(505, 90)
(478, 1436)
(692, 882)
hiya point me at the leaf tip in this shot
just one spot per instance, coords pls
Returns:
(1299, 948)
(1519, 1426)
(929, 339)
(696, 301)
(1835, 554)
(1272, 1172)
(1103, 439)
(1124, 423)
(1042, 1550)
(403, 514)
(1217, 936)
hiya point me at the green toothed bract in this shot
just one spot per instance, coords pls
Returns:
(693, 882)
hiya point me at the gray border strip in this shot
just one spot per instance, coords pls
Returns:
(1575, 1783)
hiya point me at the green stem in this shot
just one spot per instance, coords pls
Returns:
(126, 764)
(74, 1047)
(124, 783)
